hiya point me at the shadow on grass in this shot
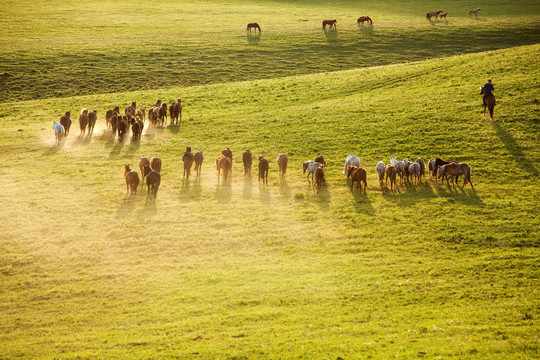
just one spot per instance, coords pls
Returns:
(332, 37)
(149, 208)
(366, 30)
(115, 151)
(248, 187)
(224, 190)
(133, 147)
(174, 129)
(191, 189)
(264, 193)
(321, 199)
(127, 206)
(284, 189)
(465, 195)
(253, 39)
(53, 150)
(514, 149)
(362, 204)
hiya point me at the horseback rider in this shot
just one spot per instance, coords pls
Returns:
(488, 90)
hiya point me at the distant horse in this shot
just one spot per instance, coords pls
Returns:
(263, 167)
(188, 159)
(475, 12)
(444, 15)
(311, 166)
(132, 180)
(282, 161)
(330, 23)
(83, 120)
(198, 158)
(351, 160)
(59, 131)
(66, 121)
(253, 26)
(489, 102)
(432, 14)
(247, 160)
(363, 19)
(381, 168)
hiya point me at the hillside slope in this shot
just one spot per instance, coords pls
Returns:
(240, 270)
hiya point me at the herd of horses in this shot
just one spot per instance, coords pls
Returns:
(366, 19)
(409, 172)
(120, 124)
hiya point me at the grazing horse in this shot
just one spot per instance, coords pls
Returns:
(444, 15)
(59, 131)
(359, 175)
(489, 102)
(198, 158)
(254, 26)
(454, 170)
(399, 167)
(319, 178)
(433, 13)
(351, 160)
(263, 167)
(363, 19)
(247, 160)
(381, 168)
(132, 179)
(311, 166)
(475, 12)
(282, 161)
(331, 24)
(187, 159)
(391, 173)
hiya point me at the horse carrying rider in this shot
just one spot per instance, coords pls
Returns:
(488, 90)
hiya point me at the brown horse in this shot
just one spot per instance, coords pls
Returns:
(444, 15)
(475, 12)
(489, 102)
(433, 13)
(254, 26)
(363, 19)
(330, 23)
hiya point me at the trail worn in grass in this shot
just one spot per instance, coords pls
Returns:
(240, 270)
(82, 48)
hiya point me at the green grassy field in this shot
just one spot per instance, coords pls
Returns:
(238, 270)
(82, 48)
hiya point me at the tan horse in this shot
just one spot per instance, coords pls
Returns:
(254, 26)
(432, 14)
(489, 102)
(330, 23)
(475, 12)
(363, 19)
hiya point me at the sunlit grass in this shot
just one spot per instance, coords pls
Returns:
(240, 270)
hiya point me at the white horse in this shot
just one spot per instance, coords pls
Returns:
(381, 168)
(311, 166)
(415, 170)
(59, 131)
(351, 160)
(400, 168)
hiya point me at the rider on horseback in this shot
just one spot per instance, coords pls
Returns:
(488, 90)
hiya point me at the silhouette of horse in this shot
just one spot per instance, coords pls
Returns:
(253, 26)
(489, 102)
(330, 23)
(433, 13)
(475, 12)
(363, 19)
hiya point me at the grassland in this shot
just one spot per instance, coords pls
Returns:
(237, 270)
(89, 47)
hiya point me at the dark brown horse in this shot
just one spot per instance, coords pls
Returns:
(489, 102)
(330, 23)
(254, 26)
(432, 14)
(363, 19)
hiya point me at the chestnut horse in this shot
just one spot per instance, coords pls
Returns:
(433, 13)
(489, 102)
(330, 23)
(475, 12)
(363, 19)
(253, 26)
